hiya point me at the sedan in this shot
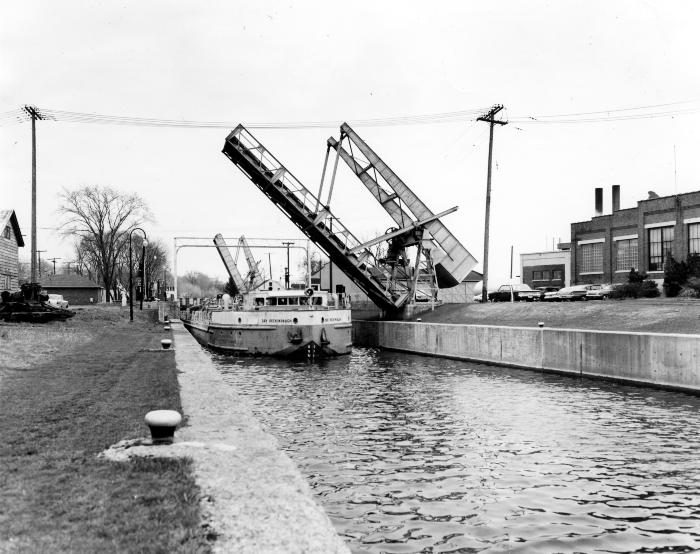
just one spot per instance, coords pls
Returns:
(57, 301)
(517, 292)
(578, 292)
(602, 293)
(551, 296)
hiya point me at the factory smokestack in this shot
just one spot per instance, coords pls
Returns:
(615, 198)
(598, 201)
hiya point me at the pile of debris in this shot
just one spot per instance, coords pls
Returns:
(29, 304)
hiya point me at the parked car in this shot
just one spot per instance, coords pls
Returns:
(551, 296)
(577, 292)
(57, 301)
(602, 293)
(545, 290)
(520, 292)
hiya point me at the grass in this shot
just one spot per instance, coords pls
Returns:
(86, 384)
(658, 315)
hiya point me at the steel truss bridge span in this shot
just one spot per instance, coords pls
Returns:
(389, 282)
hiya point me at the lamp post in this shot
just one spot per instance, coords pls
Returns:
(131, 271)
(143, 271)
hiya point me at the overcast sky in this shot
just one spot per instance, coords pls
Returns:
(321, 61)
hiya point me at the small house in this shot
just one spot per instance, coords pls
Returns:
(76, 289)
(10, 242)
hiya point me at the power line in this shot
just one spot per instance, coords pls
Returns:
(669, 109)
(79, 117)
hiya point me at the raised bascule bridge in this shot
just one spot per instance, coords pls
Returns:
(394, 282)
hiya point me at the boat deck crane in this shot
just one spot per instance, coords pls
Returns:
(229, 264)
(254, 277)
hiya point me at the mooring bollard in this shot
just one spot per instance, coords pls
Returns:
(166, 328)
(540, 324)
(165, 343)
(162, 424)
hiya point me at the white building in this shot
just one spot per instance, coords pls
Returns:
(547, 269)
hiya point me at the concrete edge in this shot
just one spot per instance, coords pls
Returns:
(535, 328)
(588, 373)
(255, 497)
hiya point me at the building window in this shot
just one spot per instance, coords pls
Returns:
(591, 258)
(694, 238)
(660, 247)
(557, 275)
(627, 255)
(6, 232)
(545, 275)
(536, 275)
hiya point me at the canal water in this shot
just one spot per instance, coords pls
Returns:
(417, 454)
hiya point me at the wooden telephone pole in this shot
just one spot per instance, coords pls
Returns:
(54, 264)
(34, 115)
(490, 117)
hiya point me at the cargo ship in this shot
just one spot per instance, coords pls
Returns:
(284, 323)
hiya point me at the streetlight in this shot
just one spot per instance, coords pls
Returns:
(131, 270)
(143, 271)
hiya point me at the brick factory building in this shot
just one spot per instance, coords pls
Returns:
(605, 248)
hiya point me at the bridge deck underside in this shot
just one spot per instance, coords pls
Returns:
(303, 218)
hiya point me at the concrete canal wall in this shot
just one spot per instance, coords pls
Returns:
(254, 497)
(663, 360)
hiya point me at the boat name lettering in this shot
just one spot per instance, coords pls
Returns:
(275, 321)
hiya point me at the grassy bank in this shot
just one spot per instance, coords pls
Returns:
(658, 315)
(68, 390)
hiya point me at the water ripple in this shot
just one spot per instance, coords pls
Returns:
(415, 454)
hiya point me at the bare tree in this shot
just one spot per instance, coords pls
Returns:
(102, 217)
(156, 261)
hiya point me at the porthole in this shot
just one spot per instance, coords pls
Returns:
(322, 320)
(295, 321)
(239, 320)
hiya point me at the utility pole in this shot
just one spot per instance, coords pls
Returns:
(286, 271)
(491, 119)
(38, 252)
(511, 273)
(54, 264)
(511, 261)
(34, 115)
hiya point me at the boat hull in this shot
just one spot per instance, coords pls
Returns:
(274, 336)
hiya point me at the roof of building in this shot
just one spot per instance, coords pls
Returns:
(68, 281)
(9, 216)
(473, 277)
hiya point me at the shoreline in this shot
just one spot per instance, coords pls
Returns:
(661, 360)
(259, 499)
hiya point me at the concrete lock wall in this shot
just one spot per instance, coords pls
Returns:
(664, 360)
